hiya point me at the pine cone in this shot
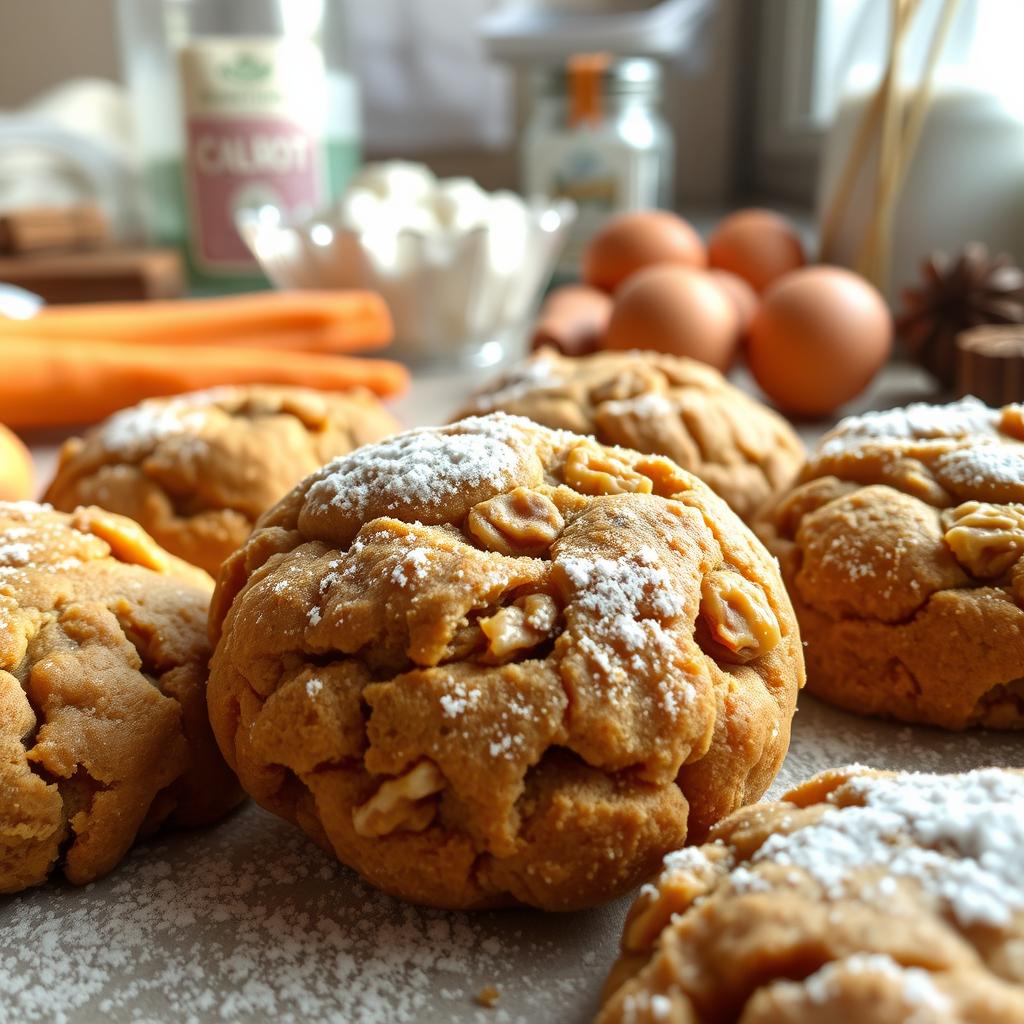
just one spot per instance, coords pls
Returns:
(958, 293)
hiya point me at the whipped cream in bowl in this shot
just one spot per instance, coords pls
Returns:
(461, 269)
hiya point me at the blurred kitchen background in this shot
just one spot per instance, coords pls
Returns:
(748, 96)
(887, 131)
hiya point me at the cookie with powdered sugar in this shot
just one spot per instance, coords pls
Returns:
(660, 404)
(901, 546)
(859, 896)
(495, 663)
(197, 470)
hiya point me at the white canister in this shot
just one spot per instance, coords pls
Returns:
(965, 178)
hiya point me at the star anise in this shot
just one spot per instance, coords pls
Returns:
(958, 292)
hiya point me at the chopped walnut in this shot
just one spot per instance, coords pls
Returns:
(521, 522)
(631, 384)
(1011, 421)
(593, 471)
(987, 540)
(128, 541)
(738, 616)
(668, 479)
(488, 996)
(400, 804)
(521, 626)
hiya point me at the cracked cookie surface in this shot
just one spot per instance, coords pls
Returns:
(197, 470)
(662, 405)
(901, 547)
(860, 896)
(104, 734)
(494, 663)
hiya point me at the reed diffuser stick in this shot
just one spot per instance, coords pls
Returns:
(857, 156)
(925, 90)
(872, 260)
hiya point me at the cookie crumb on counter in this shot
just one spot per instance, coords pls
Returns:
(488, 996)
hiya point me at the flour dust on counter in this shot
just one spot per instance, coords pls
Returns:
(251, 922)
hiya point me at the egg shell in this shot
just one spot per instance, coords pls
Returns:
(742, 295)
(678, 310)
(629, 242)
(16, 476)
(818, 338)
(573, 319)
(757, 245)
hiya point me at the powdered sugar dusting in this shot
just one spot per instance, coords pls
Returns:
(961, 837)
(425, 466)
(628, 600)
(983, 464)
(251, 922)
(690, 860)
(535, 374)
(649, 404)
(135, 431)
(917, 986)
(918, 422)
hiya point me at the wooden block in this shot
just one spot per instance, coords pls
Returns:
(990, 363)
(53, 229)
(101, 276)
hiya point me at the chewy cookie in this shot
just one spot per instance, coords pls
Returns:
(197, 470)
(103, 728)
(860, 896)
(900, 544)
(661, 405)
(494, 663)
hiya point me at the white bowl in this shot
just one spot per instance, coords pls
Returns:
(454, 297)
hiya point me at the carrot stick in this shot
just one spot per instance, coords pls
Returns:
(319, 321)
(66, 383)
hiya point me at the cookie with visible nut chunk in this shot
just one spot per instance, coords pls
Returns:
(104, 734)
(859, 896)
(901, 545)
(660, 404)
(479, 663)
(197, 470)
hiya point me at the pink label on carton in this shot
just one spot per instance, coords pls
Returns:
(247, 163)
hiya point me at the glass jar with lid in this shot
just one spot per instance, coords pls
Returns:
(237, 105)
(596, 136)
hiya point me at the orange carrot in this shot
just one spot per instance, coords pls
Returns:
(65, 383)
(16, 477)
(317, 321)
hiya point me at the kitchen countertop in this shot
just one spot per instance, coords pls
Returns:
(249, 921)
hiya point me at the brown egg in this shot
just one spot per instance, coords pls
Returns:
(757, 245)
(818, 338)
(631, 241)
(743, 296)
(573, 319)
(677, 310)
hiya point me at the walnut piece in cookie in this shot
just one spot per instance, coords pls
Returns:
(859, 896)
(482, 678)
(901, 545)
(197, 470)
(661, 405)
(104, 734)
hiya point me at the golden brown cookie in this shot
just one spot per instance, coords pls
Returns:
(103, 728)
(860, 896)
(661, 405)
(494, 663)
(900, 544)
(197, 470)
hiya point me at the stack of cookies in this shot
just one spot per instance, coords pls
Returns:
(525, 658)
